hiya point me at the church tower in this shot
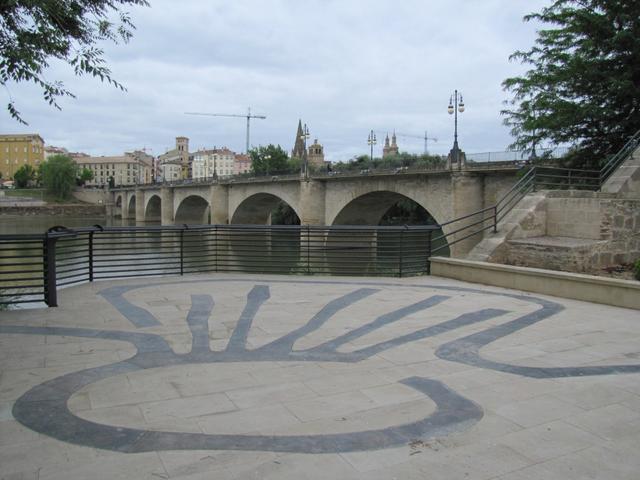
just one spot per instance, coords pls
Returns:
(298, 145)
(390, 150)
(316, 155)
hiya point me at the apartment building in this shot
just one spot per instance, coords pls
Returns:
(215, 162)
(132, 168)
(17, 150)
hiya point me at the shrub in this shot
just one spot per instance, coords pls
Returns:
(636, 269)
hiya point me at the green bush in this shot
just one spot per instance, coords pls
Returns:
(636, 269)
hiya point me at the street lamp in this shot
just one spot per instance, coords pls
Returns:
(268, 162)
(305, 165)
(371, 141)
(453, 103)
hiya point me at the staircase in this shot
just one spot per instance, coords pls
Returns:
(571, 230)
(526, 219)
(626, 178)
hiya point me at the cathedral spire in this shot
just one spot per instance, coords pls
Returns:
(386, 141)
(298, 144)
(393, 139)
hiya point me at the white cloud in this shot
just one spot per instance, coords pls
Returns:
(343, 67)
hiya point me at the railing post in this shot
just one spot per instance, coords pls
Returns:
(535, 178)
(495, 218)
(182, 250)
(401, 251)
(49, 271)
(91, 256)
(430, 232)
(308, 250)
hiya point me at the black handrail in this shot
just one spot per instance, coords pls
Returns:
(535, 177)
(614, 162)
(85, 254)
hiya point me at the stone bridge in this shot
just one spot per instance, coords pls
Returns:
(328, 200)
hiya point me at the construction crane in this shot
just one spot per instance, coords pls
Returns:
(248, 116)
(426, 139)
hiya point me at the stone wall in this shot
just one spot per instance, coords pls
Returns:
(95, 196)
(585, 232)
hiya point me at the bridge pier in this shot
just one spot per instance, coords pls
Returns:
(126, 198)
(166, 206)
(467, 192)
(139, 205)
(219, 204)
(312, 202)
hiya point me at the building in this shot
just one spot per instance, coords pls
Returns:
(314, 152)
(242, 164)
(390, 150)
(316, 155)
(132, 168)
(50, 151)
(175, 164)
(298, 145)
(17, 150)
(218, 162)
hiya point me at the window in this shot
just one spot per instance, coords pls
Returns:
(26, 149)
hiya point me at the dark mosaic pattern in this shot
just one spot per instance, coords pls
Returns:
(44, 407)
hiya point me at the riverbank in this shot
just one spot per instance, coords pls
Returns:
(62, 209)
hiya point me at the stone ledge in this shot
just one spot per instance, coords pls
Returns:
(609, 291)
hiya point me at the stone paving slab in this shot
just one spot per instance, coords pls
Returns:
(252, 377)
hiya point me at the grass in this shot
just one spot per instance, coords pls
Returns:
(37, 193)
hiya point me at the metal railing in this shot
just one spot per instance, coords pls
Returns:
(33, 267)
(616, 160)
(534, 177)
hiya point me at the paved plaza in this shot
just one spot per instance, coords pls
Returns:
(274, 377)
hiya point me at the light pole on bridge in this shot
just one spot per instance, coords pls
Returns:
(371, 141)
(305, 161)
(455, 106)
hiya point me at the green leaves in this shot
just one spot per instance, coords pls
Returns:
(583, 87)
(271, 160)
(59, 175)
(33, 32)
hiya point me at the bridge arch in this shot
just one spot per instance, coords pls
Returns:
(193, 209)
(152, 209)
(131, 208)
(257, 209)
(383, 208)
(371, 207)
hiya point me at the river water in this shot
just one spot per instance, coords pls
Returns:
(13, 224)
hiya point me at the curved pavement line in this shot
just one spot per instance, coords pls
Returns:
(44, 407)
(44, 410)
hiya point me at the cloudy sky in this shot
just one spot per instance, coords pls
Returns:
(343, 66)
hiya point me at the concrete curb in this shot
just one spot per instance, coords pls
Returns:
(609, 291)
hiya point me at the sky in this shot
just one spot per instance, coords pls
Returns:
(345, 67)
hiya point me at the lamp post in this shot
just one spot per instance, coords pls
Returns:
(305, 165)
(371, 141)
(268, 162)
(455, 106)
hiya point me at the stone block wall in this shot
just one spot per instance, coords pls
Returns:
(585, 232)
(620, 226)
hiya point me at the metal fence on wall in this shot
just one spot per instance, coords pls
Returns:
(33, 267)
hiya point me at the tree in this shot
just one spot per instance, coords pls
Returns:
(32, 33)
(24, 175)
(583, 87)
(269, 160)
(59, 175)
(86, 175)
